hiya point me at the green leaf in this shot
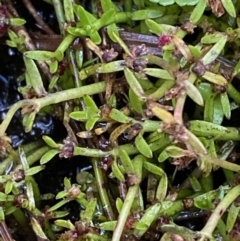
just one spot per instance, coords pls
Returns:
(110, 67)
(117, 172)
(196, 186)
(60, 214)
(215, 78)
(89, 211)
(53, 66)
(122, 44)
(107, 17)
(153, 169)
(8, 187)
(108, 226)
(79, 115)
(126, 161)
(218, 114)
(90, 104)
(65, 224)
(119, 204)
(229, 7)
(186, 2)
(163, 156)
(205, 201)
(118, 116)
(67, 182)
(165, 2)
(68, 9)
(3, 197)
(48, 156)
(176, 152)
(41, 55)
(198, 11)
(135, 103)
(142, 146)
(162, 188)
(154, 27)
(213, 53)
(16, 21)
(58, 205)
(90, 123)
(134, 84)
(33, 170)
(148, 217)
(34, 76)
(50, 142)
(212, 38)
(62, 194)
(226, 105)
(161, 113)
(59, 55)
(158, 73)
(194, 93)
(38, 229)
(232, 217)
(146, 13)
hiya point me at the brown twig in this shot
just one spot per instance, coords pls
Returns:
(40, 22)
(29, 44)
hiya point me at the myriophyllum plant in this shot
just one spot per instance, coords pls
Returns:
(154, 118)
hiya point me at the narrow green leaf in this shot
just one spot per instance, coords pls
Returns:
(212, 38)
(117, 172)
(162, 188)
(218, 113)
(198, 11)
(16, 21)
(118, 116)
(176, 152)
(110, 67)
(79, 115)
(88, 213)
(154, 27)
(119, 204)
(41, 55)
(108, 226)
(158, 73)
(135, 103)
(213, 53)
(90, 104)
(127, 162)
(58, 205)
(196, 186)
(232, 217)
(215, 78)
(38, 229)
(153, 169)
(65, 224)
(163, 156)
(194, 93)
(142, 146)
(33, 170)
(67, 182)
(48, 156)
(34, 76)
(134, 84)
(50, 142)
(8, 187)
(53, 66)
(68, 9)
(91, 123)
(226, 106)
(229, 7)
(146, 13)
